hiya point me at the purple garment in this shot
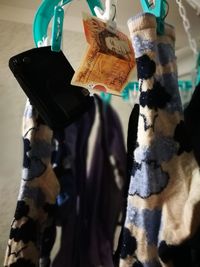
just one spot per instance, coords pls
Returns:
(88, 232)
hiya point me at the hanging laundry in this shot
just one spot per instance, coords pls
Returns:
(57, 189)
(191, 115)
(36, 204)
(163, 210)
(131, 145)
(101, 197)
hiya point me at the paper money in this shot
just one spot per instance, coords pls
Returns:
(109, 60)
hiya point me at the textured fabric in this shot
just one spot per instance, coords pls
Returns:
(191, 115)
(88, 236)
(56, 189)
(132, 138)
(35, 210)
(106, 203)
(69, 162)
(131, 145)
(163, 208)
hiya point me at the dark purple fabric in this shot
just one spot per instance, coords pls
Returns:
(88, 231)
(105, 199)
(191, 116)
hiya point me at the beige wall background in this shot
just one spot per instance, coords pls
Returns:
(15, 37)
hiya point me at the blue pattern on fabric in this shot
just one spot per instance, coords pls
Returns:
(148, 179)
(129, 244)
(33, 154)
(171, 86)
(34, 193)
(36, 169)
(148, 220)
(165, 53)
(137, 264)
(145, 68)
(30, 112)
(22, 210)
(162, 149)
(142, 46)
(40, 149)
(22, 263)
(153, 263)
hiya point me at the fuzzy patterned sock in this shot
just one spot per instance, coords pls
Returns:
(163, 208)
(34, 214)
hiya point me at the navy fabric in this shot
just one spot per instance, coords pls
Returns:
(89, 226)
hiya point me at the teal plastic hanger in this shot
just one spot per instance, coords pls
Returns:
(198, 70)
(159, 10)
(92, 4)
(42, 19)
(106, 97)
(58, 20)
(184, 86)
(131, 86)
(43, 16)
(57, 28)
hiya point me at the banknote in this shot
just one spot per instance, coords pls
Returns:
(109, 60)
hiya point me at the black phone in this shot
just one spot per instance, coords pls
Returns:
(45, 77)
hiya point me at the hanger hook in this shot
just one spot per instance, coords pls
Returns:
(109, 13)
(115, 11)
(167, 12)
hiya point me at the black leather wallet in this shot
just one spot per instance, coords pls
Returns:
(45, 77)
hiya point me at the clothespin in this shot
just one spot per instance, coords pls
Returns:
(57, 28)
(94, 3)
(159, 10)
(131, 89)
(125, 94)
(185, 86)
(47, 10)
(106, 97)
(198, 70)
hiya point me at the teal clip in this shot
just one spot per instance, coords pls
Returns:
(185, 86)
(125, 94)
(159, 10)
(42, 19)
(198, 70)
(92, 4)
(57, 29)
(45, 13)
(131, 86)
(106, 97)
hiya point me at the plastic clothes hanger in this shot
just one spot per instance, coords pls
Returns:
(43, 16)
(159, 10)
(106, 97)
(129, 89)
(185, 86)
(58, 20)
(42, 19)
(94, 3)
(57, 28)
(108, 14)
(198, 70)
